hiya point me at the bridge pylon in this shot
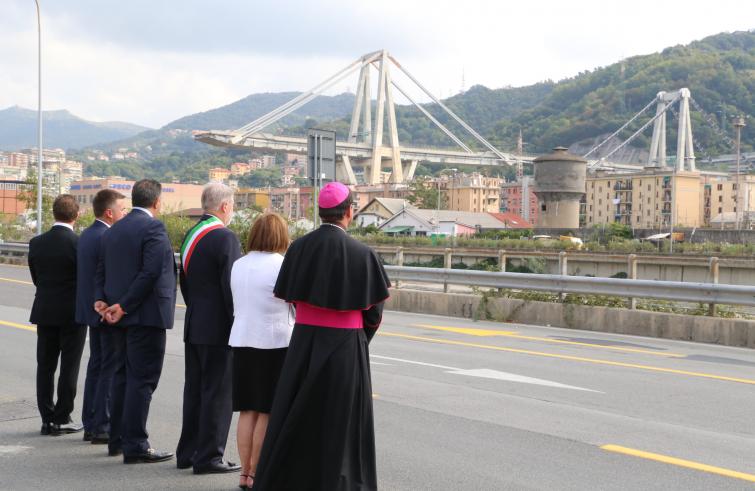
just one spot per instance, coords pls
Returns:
(365, 141)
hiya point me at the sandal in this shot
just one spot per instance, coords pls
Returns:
(246, 480)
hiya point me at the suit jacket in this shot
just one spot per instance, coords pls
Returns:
(86, 268)
(52, 263)
(136, 269)
(206, 288)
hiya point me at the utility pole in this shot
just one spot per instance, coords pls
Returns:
(739, 123)
(39, 120)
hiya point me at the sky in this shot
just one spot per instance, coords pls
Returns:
(152, 61)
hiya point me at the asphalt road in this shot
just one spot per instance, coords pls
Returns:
(459, 405)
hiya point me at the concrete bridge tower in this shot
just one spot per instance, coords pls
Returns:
(559, 186)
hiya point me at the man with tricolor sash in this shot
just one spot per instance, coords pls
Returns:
(207, 256)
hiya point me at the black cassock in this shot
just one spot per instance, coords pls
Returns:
(321, 434)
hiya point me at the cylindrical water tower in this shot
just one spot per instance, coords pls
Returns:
(559, 185)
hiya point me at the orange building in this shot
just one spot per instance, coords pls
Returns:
(218, 174)
(11, 204)
(175, 197)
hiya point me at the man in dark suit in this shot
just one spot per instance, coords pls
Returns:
(52, 263)
(207, 256)
(95, 414)
(135, 292)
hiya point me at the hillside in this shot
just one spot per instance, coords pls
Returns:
(249, 108)
(719, 70)
(18, 129)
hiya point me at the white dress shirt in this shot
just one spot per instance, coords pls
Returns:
(63, 224)
(144, 210)
(260, 319)
(103, 222)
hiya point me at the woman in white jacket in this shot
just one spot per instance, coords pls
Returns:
(260, 335)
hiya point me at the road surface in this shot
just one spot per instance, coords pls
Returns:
(459, 405)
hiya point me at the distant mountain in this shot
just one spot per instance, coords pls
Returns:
(249, 108)
(61, 129)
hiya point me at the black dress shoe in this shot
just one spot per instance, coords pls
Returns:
(66, 429)
(114, 452)
(218, 468)
(100, 438)
(46, 429)
(151, 456)
(184, 465)
(87, 436)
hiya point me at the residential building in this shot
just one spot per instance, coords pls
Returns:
(720, 197)
(248, 197)
(518, 197)
(378, 210)
(365, 193)
(218, 174)
(512, 220)
(240, 168)
(12, 204)
(268, 161)
(419, 222)
(292, 202)
(471, 192)
(174, 196)
(652, 198)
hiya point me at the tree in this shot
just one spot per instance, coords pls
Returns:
(424, 194)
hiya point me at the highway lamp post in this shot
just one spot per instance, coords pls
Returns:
(39, 120)
(739, 123)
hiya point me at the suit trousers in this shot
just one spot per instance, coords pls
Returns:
(136, 365)
(66, 343)
(207, 405)
(95, 412)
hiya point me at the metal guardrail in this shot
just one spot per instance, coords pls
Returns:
(14, 248)
(707, 293)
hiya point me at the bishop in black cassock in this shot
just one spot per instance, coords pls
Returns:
(321, 434)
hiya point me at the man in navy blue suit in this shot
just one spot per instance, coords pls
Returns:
(208, 253)
(95, 414)
(135, 293)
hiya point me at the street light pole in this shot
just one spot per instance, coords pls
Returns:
(39, 120)
(739, 123)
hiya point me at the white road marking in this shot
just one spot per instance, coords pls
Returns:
(491, 374)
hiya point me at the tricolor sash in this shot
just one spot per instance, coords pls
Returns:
(195, 235)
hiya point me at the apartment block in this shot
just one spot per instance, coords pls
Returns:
(649, 199)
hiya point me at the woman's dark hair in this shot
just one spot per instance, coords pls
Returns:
(144, 194)
(336, 214)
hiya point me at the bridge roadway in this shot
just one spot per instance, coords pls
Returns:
(458, 405)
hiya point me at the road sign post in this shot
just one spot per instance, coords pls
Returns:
(321, 163)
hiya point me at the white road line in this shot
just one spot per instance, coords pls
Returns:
(491, 374)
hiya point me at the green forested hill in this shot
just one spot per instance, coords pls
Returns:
(719, 71)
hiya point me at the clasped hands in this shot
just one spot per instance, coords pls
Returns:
(109, 313)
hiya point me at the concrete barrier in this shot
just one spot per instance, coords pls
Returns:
(703, 329)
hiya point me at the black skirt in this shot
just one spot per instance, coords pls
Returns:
(321, 434)
(255, 376)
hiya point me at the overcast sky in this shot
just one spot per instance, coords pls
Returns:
(152, 61)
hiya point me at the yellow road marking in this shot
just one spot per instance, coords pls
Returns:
(679, 462)
(513, 334)
(11, 280)
(468, 330)
(572, 358)
(18, 326)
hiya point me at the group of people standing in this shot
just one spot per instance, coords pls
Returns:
(279, 334)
